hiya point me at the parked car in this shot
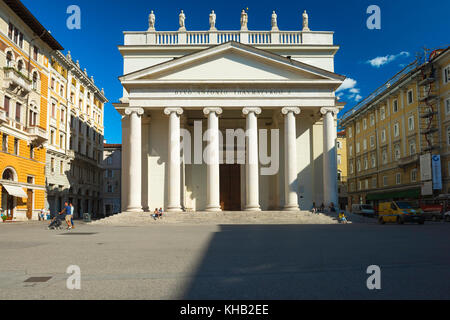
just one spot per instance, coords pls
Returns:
(432, 210)
(399, 212)
(363, 209)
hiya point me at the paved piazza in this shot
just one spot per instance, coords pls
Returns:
(175, 261)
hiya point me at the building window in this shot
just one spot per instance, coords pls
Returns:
(395, 106)
(413, 175)
(382, 113)
(412, 148)
(6, 104)
(364, 123)
(9, 58)
(350, 150)
(63, 115)
(396, 129)
(366, 184)
(35, 53)
(5, 143)
(384, 156)
(61, 167)
(16, 146)
(338, 143)
(358, 165)
(357, 128)
(338, 159)
(35, 80)
(374, 183)
(398, 178)
(351, 167)
(448, 136)
(365, 144)
(357, 147)
(446, 74)
(397, 152)
(372, 141)
(31, 152)
(447, 106)
(366, 164)
(61, 141)
(372, 119)
(52, 165)
(18, 111)
(53, 110)
(383, 135)
(61, 90)
(52, 136)
(52, 83)
(385, 181)
(350, 131)
(411, 123)
(373, 161)
(410, 97)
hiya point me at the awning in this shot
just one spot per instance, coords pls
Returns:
(401, 194)
(15, 191)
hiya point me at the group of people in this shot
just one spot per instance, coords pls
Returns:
(157, 214)
(332, 209)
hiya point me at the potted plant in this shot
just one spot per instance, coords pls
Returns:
(4, 217)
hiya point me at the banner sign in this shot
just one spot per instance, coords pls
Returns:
(437, 174)
(425, 167)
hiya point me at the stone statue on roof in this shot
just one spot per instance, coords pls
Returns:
(274, 21)
(212, 20)
(305, 21)
(151, 21)
(244, 20)
(182, 19)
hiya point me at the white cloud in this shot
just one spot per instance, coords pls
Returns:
(381, 61)
(348, 83)
(348, 90)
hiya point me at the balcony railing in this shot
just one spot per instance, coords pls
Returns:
(408, 160)
(37, 134)
(13, 79)
(274, 37)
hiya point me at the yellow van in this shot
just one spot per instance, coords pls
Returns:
(400, 212)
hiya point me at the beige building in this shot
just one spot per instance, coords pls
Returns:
(341, 152)
(388, 132)
(112, 168)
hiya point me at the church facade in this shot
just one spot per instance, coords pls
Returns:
(228, 120)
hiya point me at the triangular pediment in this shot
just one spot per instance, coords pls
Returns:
(232, 62)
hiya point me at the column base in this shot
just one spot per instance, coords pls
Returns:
(134, 209)
(174, 209)
(213, 209)
(291, 208)
(252, 208)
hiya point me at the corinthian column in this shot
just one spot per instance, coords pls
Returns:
(252, 160)
(329, 156)
(174, 159)
(290, 158)
(134, 164)
(212, 161)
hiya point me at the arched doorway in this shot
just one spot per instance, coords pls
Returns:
(8, 201)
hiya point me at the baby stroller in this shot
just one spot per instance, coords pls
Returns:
(56, 223)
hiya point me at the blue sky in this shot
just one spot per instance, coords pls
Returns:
(406, 27)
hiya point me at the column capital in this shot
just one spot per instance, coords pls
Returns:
(286, 110)
(168, 111)
(138, 111)
(248, 110)
(207, 111)
(325, 110)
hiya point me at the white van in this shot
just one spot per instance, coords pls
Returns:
(363, 209)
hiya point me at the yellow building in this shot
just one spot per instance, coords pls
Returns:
(25, 46)
(341, 151)
(389, 131)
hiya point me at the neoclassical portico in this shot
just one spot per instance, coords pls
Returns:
(204, 103)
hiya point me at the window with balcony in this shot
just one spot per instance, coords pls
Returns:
(20, 66)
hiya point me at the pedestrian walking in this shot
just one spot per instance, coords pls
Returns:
(72, 210)
(66, 213)
(160, 213)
